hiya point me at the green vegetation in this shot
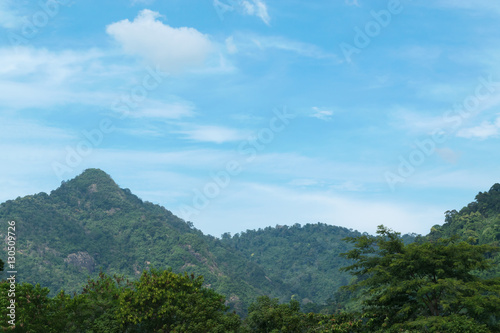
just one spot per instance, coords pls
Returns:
(423, 284)
(95, 258)
(90, 224)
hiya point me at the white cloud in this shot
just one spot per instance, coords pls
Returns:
(321, 114)
(257, 8)
(173, 49)
(215, 134)
(52, 67)
(486, 130)
(49, 78)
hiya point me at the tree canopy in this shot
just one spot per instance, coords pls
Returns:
(415, 284)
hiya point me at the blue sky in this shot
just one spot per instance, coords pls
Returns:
(242, 114)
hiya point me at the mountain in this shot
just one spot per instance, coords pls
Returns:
(90, 224)
(305, 258)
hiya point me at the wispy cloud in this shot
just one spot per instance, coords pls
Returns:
(15, 130)
(52, 67)
(348, 186)
(49, 78)
(251, 43)
(417, 122)
(257, 8)
(163, 110)
(214, 134)
(173, 49)
(352, 3)
(269, 205)
(485, 130)
(322, 114)
(9, 19)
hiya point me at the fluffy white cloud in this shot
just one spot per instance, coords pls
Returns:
(173, 49)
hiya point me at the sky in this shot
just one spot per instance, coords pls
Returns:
(243, 114)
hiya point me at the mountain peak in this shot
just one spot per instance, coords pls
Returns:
(93, 180)
(94, 177)
(92, 185)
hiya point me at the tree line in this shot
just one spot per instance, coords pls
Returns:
(431, 285)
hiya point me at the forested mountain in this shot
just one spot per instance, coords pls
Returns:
(305, 258)
(90, 227)
(90, 224)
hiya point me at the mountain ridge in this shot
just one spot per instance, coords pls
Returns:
(90, 224)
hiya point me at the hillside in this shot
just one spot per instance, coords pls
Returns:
(89, 224)
(305, 258)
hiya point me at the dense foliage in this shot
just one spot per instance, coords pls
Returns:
(90, 224)
(300, 257)
(424, 283)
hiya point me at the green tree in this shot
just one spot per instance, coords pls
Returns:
(267, 315)
(162, 301)
(35, 312)
(414, 282)
(96, 308)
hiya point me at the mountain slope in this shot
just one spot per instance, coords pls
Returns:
(305, 258)
(89, 223)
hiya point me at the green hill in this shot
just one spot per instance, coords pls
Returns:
(90, 224)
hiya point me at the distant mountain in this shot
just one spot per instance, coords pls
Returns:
(89, 224)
